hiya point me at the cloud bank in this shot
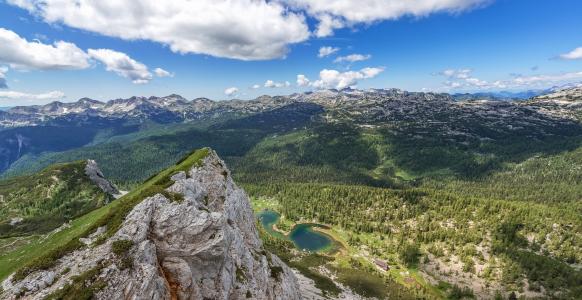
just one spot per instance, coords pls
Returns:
(27, 96)
(347, 13)
(463, 79)
(243, 29)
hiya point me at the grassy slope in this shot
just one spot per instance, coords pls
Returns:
(15, 259)
(47, 199)
(38, 253)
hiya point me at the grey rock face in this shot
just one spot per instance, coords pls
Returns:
(204, 247)
(32, 284)
(94, 173)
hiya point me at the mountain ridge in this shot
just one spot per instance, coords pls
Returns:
(175, 108)
(203, 244)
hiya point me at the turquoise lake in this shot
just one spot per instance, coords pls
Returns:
(302, 235)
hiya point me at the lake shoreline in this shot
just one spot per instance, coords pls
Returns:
(315, 233)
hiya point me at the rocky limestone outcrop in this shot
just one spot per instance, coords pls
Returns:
(204, 247)
(94, 173)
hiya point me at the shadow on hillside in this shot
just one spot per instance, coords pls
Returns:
(288, 144)
(334, 152)
(61, 136)
(137, 160)
(471, 157)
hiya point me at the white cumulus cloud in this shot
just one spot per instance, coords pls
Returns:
(122, 65)
(269, 84)
(242, 29)
(327, 25)
(574, 54)
(456, 74)
(163, 73)
(19, 53)
(339, 80)
(326, 51)
(231, 91)
(371, 72)
(302, 80)
(338, 14)
(273, 84)
(352, 58)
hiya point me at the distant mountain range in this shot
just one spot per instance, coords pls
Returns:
(500, 96)
(175, 108)
(56, 127)
(469, 181)
(514, 95)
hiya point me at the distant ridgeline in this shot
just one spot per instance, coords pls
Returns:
(375, 137)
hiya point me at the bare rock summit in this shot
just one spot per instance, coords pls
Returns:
(203, 246)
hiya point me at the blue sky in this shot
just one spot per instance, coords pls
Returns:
(469, 45)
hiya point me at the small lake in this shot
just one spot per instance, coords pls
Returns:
(302, 235)
(269, 218)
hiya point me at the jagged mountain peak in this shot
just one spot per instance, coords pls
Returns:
(194, 238)
(174, 108)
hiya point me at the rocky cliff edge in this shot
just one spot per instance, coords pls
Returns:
(202, 244)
